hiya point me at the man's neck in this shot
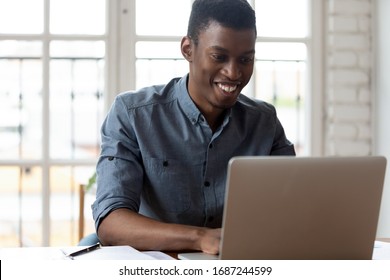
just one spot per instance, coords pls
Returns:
(214, 118)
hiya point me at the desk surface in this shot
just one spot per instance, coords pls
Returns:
(381, 251)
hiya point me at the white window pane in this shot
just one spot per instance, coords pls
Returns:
(21, 16)
(156, 17)
(76, 107)
(77, 49)
(281, 51)
(20, 100)
(13, 48)
(158, 50)
(154, 71)
(64, 204)
(76, 103)
(158, 62)
(23, 213)
(20, 108)
(77, 17)
(282, 18)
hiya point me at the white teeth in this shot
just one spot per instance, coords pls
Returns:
(227, 88)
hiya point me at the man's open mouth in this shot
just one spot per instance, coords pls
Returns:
(227, 88)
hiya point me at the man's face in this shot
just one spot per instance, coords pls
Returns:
(221, 65)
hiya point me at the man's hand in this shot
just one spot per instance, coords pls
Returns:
(210, 241)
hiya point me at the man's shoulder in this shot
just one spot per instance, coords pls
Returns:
(151, 95)
(254, 105)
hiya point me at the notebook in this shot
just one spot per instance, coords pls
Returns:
(300, 208)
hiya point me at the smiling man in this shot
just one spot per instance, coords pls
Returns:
(165, 149)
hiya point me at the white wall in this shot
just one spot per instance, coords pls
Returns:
(382, 88)
(348, 97)
(357, 84)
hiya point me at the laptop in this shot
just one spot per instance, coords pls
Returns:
(300, 208)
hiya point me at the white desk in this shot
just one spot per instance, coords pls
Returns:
(381, 252)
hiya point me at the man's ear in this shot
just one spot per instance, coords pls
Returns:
(186, 48)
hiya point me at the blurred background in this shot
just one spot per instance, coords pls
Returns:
(63, 62)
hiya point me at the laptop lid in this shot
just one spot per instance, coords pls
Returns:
(302, 207)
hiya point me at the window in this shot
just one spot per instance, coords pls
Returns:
(52, 80)
(158, 55)
(281, 76)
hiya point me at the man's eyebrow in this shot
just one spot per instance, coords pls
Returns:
(218, 48)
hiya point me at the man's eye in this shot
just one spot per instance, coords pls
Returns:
(218, 57)
(247, 59)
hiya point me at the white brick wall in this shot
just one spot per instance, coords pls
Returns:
(350, 7)
(348, 99)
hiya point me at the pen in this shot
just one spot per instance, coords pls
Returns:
(85, 250)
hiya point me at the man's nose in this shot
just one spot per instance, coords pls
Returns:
(232, 70)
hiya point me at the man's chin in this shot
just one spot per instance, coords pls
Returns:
(226, 104)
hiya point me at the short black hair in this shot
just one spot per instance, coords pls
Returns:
(236, 14)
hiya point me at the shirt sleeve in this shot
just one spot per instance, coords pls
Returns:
(119, 171)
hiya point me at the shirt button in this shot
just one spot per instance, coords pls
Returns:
(207, 184)
(165, 163)
(110, 158)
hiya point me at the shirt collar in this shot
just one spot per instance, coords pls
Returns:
(188, 104)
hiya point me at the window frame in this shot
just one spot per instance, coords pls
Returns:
(45, 162)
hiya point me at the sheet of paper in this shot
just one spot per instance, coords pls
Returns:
(114, 253)
(58, 253)
(157, 255)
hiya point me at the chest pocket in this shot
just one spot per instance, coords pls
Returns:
(172, 186)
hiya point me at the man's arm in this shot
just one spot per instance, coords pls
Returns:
(125, 227)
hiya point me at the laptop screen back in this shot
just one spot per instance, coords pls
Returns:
(302, 207)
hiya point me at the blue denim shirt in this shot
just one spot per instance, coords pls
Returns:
(160, 158)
